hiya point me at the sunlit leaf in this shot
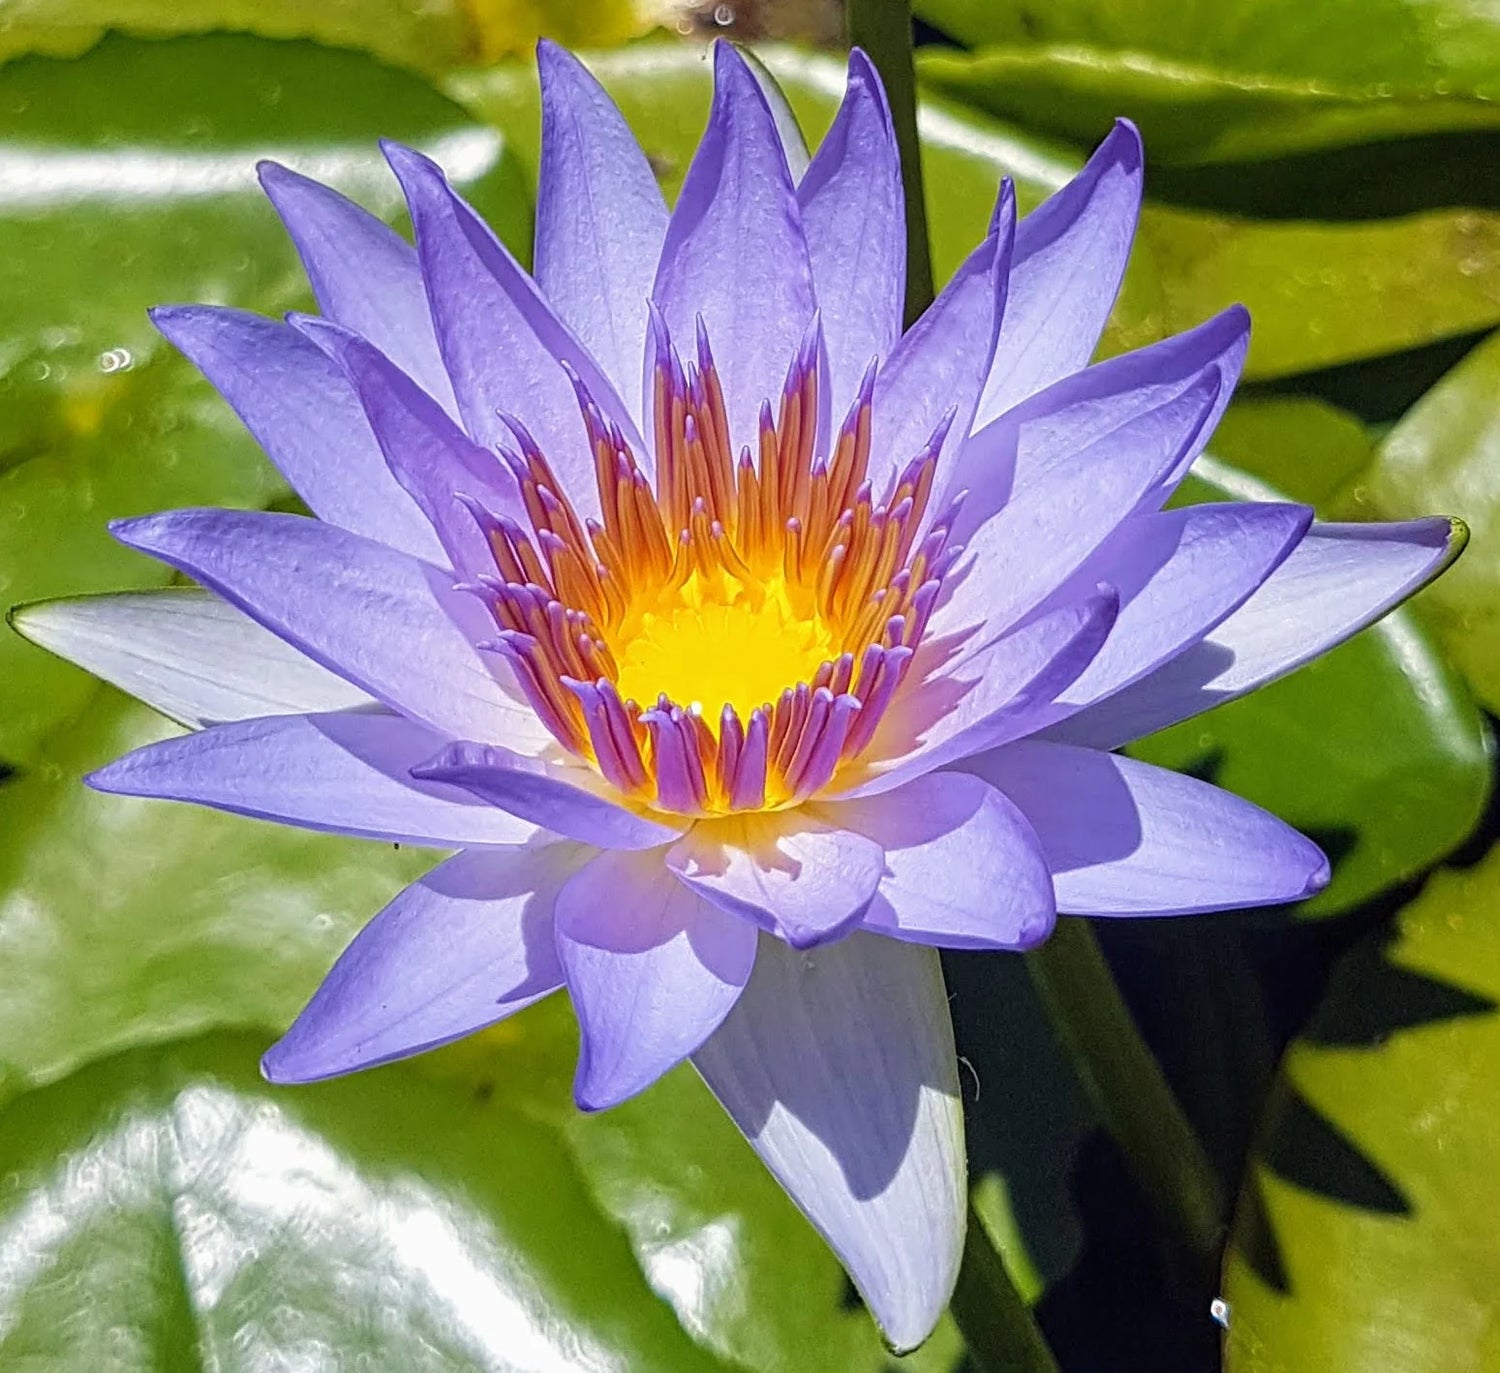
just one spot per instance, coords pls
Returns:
(388, 1220)
(1225, 81)
(1444, 455)
(431, 36)
(1366, 1237)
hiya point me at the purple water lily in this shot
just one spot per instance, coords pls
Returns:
(746, 648)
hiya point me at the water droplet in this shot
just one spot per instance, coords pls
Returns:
(116, 360)
(1218, 1308)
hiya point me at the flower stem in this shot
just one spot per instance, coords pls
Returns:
(996, 1324)
(1130, 1092)
(883, 29)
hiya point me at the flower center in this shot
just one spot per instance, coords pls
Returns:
(729, 638)
(710, 647)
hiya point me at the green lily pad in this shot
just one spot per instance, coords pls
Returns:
(1374, 750)
(1444, 454)
(430, 37)
(1320, 294)
(130, 179)
(1305, 448)
(1366, 1238)
(166, 1210)
(1230, 81)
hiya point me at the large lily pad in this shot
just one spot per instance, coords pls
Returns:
(1375, 749)
(1444, 454)
(166, 1210)
(130, 181)
(1305, 448)
(431, 36)
(1226, 81)
(1367, 1238)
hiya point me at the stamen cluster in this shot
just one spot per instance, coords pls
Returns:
(803, 530)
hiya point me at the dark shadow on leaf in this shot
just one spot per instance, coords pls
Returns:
(1255, 1239)
(1121, 1309)
(1367, 181)
(1024, 1112)
(1308, 1150)
(1390, 999)
(1377, 390)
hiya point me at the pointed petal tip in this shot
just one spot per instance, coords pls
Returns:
(592, 1097)
(174, 322)
(1127, 136)
(1320, 877)
(406, 161)
(1036, 931)
(283, 1065)
(1454, 542)
(864, 72)
(275, 178)
(272, 1068)
(128, 528)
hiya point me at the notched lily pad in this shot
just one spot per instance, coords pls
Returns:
(1366, 1237)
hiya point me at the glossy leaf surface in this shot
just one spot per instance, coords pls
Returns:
(1366, 1236)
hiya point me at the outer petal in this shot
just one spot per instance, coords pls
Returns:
(433, 459)
(186, 653)
(736, 224)
(346, 773)
(793, 144)
(856, 234)
(365, 275)
(600, 220)
(501, 342)
(1007, 456)
(984, 698)
(938, 367)
(838, 1065)
(963, 869)
(388, 623)
(789, 872)
(1048, 529)
(467, 945)
(571, 800)
(1126, 838)
(303, 412)
(1179, 573)
(1339, 579)
(1070, 259)
(652, 969)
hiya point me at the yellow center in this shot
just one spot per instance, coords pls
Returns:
(726, 644)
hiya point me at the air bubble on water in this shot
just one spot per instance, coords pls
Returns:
(116, 360)
(723, 15)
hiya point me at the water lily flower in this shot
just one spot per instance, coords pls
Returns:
(746, 648)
